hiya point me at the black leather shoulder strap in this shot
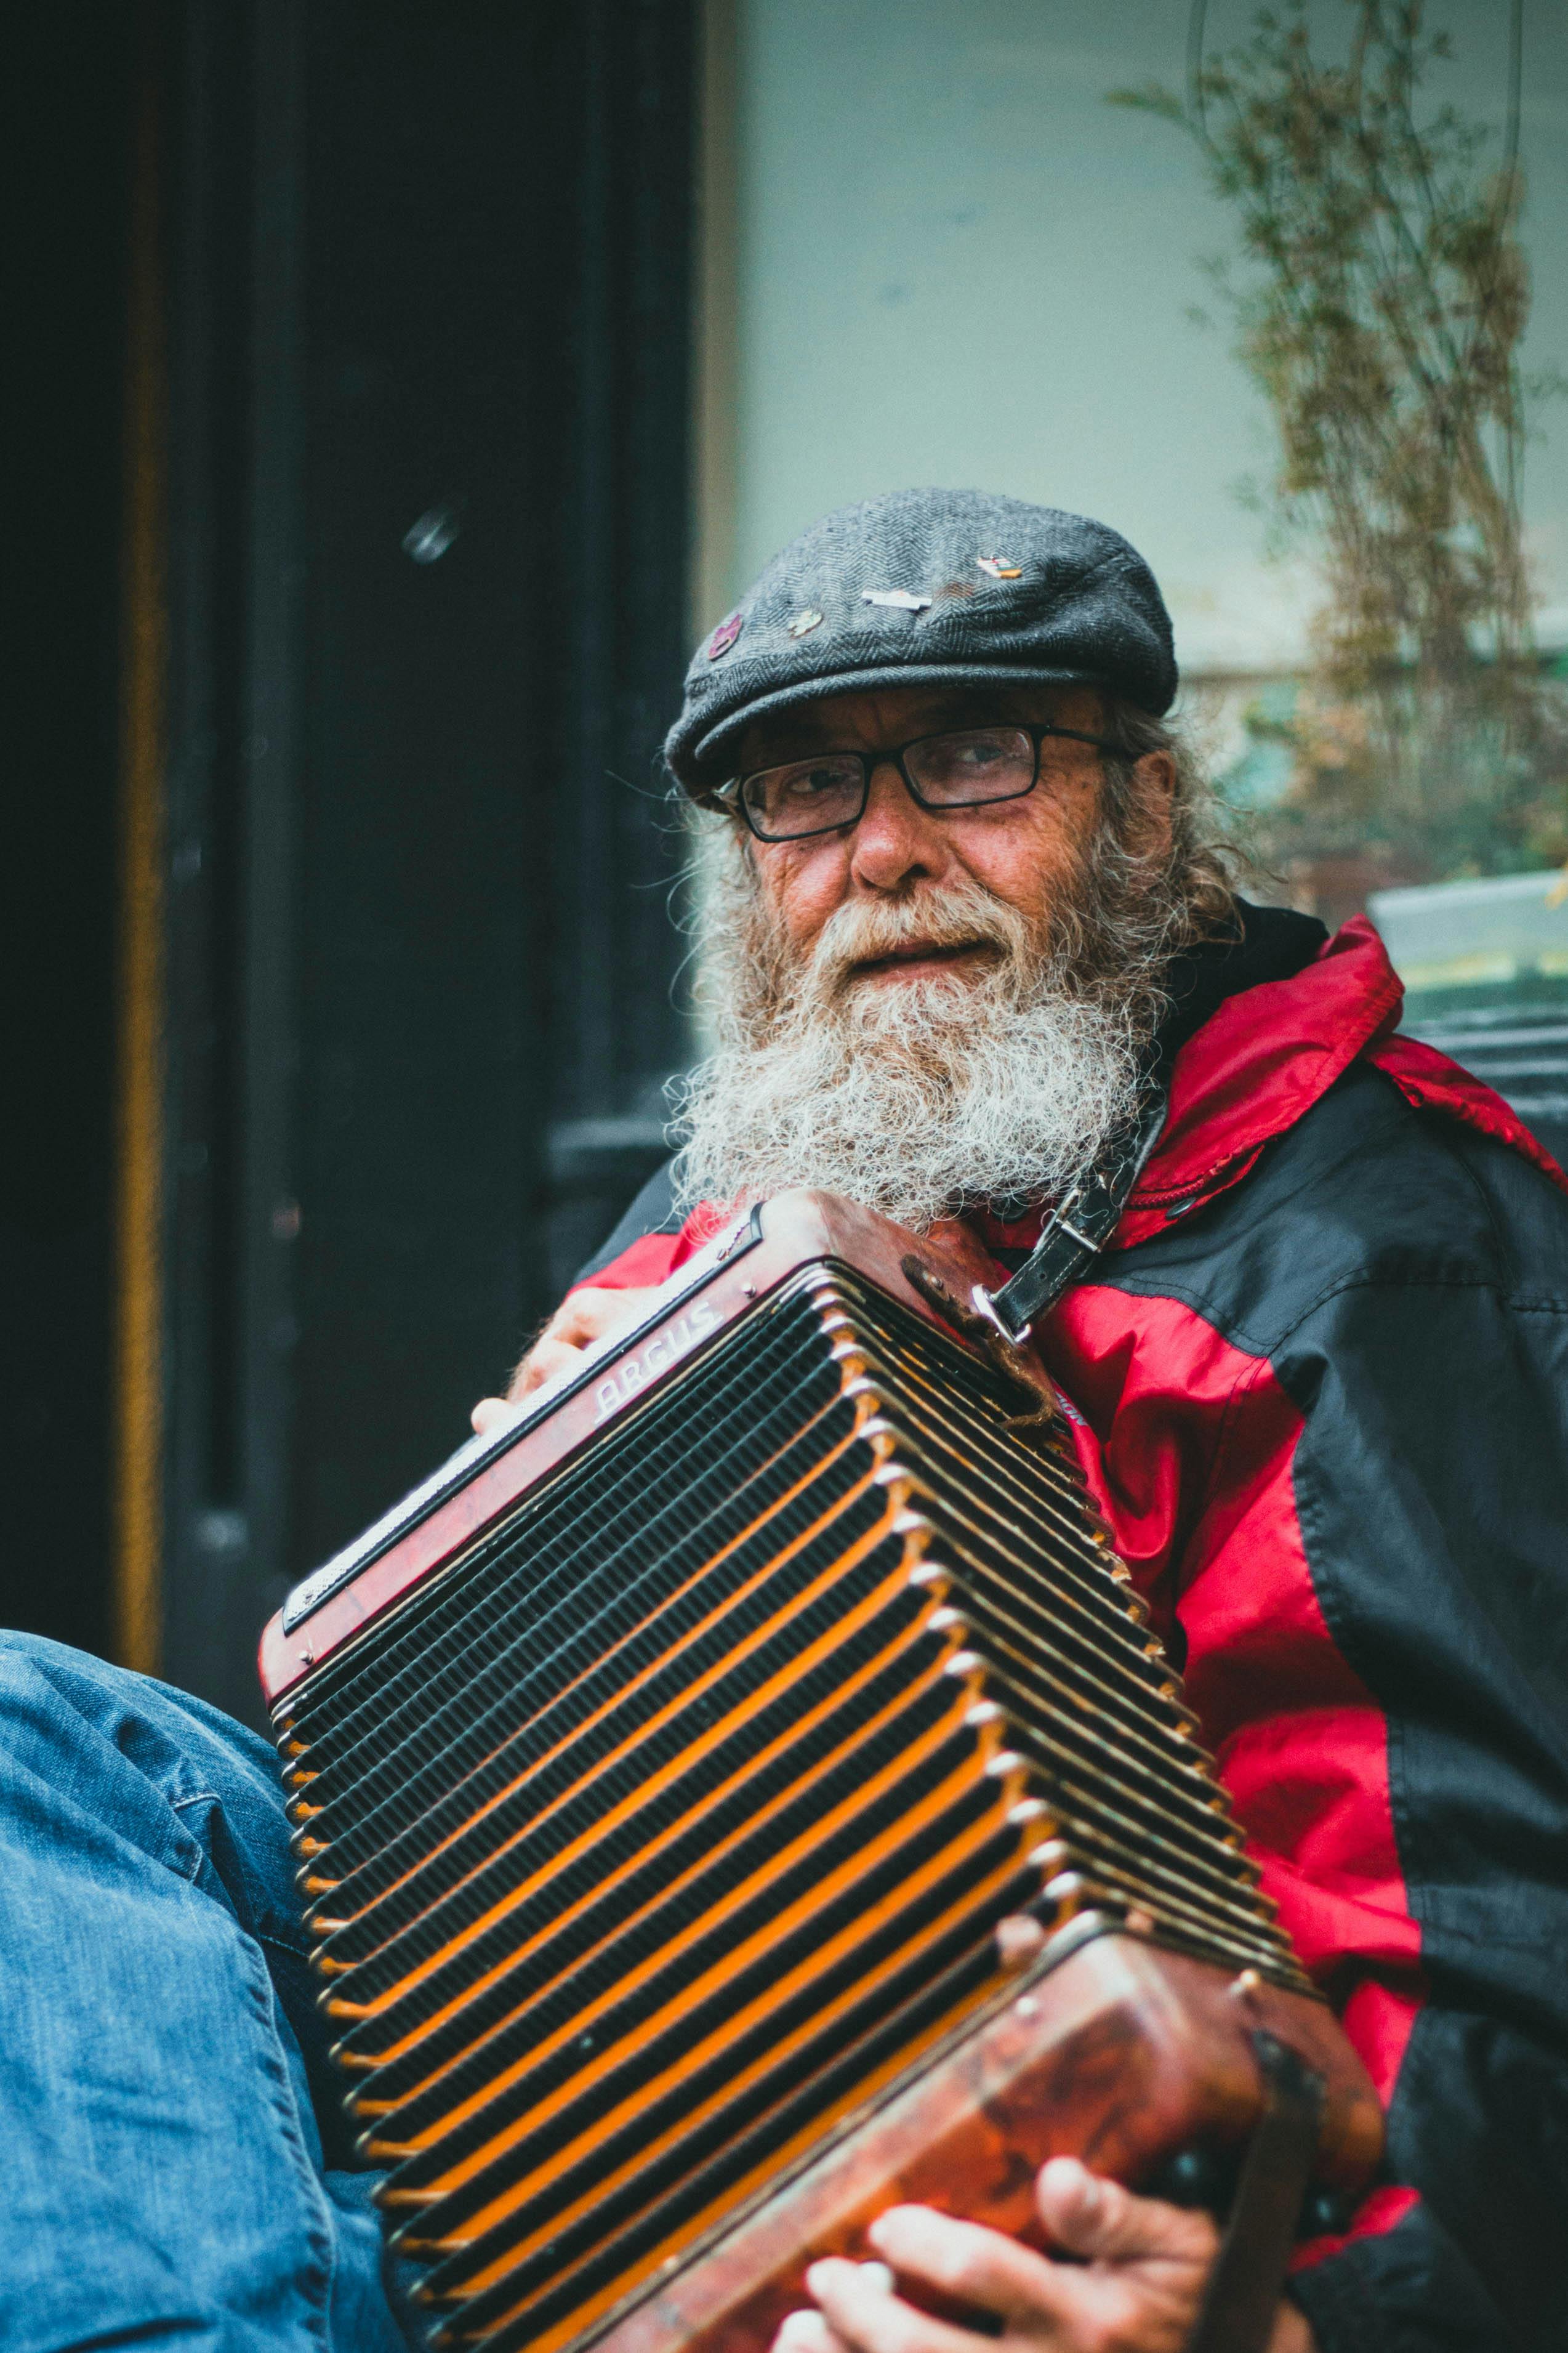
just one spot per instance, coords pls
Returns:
(1076, 1229)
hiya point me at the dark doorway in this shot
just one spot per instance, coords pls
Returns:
(422, 319)
(71, 72)
(429, 467)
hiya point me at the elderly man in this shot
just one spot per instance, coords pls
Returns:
(961, 916)
(960, 921)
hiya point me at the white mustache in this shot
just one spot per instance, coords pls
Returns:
(866, 930)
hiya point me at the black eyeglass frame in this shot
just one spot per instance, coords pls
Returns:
(729, 796)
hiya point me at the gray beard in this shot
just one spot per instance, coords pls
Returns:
(925, 1097)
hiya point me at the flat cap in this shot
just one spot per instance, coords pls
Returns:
(927, 587)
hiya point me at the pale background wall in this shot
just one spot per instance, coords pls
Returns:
(938, 256)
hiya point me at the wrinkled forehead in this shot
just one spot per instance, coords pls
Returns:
(886, 717)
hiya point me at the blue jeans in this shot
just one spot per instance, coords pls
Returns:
(173, 2150)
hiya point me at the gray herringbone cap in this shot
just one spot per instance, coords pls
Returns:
(993, 589)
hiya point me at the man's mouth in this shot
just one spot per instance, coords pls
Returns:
(917, 956)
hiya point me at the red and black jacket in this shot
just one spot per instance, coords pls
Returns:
(1322, 1372)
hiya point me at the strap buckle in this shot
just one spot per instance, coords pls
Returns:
(1068, 1243)
(985, 1304)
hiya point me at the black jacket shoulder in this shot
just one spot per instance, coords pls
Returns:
(1366, 1188)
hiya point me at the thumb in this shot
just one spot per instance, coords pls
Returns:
(1088, 2215)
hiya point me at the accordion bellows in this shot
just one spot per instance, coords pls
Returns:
(667, 1825)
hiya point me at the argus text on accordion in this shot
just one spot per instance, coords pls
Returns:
(657, 1357)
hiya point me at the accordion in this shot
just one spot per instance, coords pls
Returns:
(745, 1794)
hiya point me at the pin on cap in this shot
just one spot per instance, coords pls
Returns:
(1065, 600)
(804, 623)
(724, 637)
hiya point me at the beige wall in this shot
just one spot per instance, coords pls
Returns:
(938, 256)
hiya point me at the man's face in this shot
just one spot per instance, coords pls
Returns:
(930, 1006)
(1023, 852)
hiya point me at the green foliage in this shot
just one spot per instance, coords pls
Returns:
(1380, 296)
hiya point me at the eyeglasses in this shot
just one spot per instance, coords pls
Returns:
(830, 790)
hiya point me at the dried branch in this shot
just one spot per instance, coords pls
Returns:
(1380, 305)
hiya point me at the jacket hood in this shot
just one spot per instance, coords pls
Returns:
(1265, 1055)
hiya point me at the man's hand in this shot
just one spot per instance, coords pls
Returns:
(586, 1316)
(1136, 2289)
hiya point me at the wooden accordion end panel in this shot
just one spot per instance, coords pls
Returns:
(663, 1772)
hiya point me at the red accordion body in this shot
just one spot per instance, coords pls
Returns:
(664, 1767)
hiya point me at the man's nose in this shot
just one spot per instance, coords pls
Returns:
(896, 839)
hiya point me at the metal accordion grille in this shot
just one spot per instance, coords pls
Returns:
(673, 1822)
